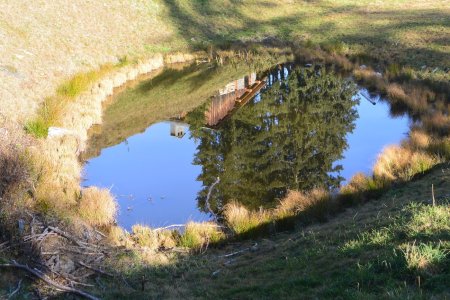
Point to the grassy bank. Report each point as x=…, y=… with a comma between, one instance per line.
x=394, y=247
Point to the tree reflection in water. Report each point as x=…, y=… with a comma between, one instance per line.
x=287, y=137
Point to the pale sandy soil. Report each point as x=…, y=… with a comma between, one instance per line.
x=44, y=42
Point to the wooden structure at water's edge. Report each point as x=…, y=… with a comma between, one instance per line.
x=234, y=95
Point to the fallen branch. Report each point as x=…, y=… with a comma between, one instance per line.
x=47, y=280
x=170, y=226
x=63, y=234
x=95, y=269
x=183, y=225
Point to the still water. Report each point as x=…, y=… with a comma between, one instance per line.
x=254, y=136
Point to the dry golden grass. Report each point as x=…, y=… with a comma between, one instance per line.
x=14, y=168
x=418, y=139
x=56, y=166
x=16, y=175
x=241, y=220
x=296, y=202
x=396, y=92
x=437, y=121
x=97, y=206
x=399, y=163
x=144, y=236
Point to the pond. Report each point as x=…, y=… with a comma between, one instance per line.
x=179, y=146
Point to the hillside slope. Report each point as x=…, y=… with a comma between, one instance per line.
x=44, y=42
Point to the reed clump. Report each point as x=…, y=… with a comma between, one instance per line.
x=97, y=206
x=372, y=79
x=418, y=139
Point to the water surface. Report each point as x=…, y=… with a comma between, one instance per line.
x=251, y=139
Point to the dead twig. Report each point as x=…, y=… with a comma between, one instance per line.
x=16, y=290
x=208, y=206
x=47, y=280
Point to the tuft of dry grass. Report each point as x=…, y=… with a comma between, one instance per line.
x=359, y=188
x=117, y=235
x=199, y=235
x=400, y=163
x=97, y=206
x=16, y=176
x=241, y=220
x=58, y=174
x=153, y=239
x=441, y=148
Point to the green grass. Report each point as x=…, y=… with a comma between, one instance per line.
x=38, y=128
x=82, y=81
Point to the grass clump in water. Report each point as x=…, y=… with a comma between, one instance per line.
x=397, y=163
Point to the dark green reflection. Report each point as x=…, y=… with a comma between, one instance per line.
x=286, y=138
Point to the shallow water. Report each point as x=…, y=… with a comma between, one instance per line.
x=302, y=129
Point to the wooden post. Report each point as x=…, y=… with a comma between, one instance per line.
x=432, y=195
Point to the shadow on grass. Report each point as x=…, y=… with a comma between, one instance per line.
x=387, y=35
